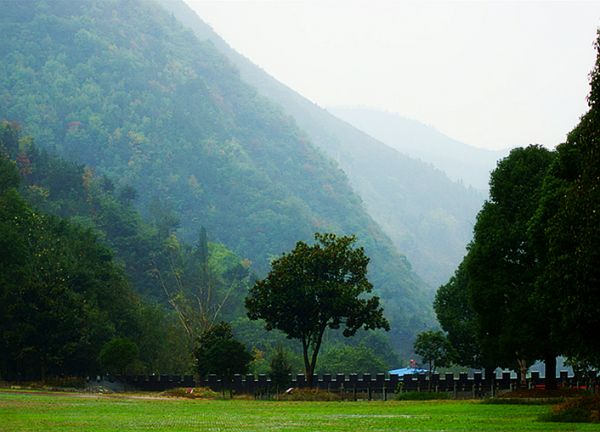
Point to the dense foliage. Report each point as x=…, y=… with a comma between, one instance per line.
x=280, y=369
x=529, y=285
x=62, y=295
x=117, y=354
x=348, y=359
x=566, y=233
x=458, y=319
x=502, y=264
x=435, y=350
x=219, y=353
x=95, y=289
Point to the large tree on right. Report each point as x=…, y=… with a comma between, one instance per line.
x=566, y=233
x=502, y=265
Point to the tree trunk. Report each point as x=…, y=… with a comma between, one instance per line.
x=310, y=364
x=522, y=373
x=307, y=367
x=430, y=373
x=550, y=361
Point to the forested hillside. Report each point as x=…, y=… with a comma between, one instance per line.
x=427, y=216
x=78, y=261
x=123, y=88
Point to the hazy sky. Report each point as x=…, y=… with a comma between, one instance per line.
x=491, y=74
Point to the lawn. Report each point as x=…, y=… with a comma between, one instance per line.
x=75, y=412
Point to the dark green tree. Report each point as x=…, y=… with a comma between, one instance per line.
x=117, y=355
x=435, y=350
x=280, y=368
x=316, y=287
x=219, y=353
x=61, y=294
x=566, y=233
x=458, y=319
x=349, y=359
x=502, y=266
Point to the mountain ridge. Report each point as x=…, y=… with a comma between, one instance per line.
x=461, y=162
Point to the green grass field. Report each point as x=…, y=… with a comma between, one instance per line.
x=30, y=411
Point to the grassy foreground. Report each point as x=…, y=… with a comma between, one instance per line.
x=76, y=412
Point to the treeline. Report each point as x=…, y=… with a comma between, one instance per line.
x=529, y=286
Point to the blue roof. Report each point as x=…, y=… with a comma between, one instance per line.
x=407, y=371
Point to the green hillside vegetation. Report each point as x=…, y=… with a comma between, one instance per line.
x=63, y=296
x=428, y=217
x=123, y=88
x=62, y=221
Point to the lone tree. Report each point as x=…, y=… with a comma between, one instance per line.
x=316, y=287
x=435, y=350
x=220, y=354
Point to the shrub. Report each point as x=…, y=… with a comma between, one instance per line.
x=220, y=354
x=280, y=369
x=117, y=354
x=580, y=409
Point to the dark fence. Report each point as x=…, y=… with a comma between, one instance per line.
x=378, y=385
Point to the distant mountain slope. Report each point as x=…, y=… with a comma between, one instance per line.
x=459, y=161
x=428, y=217
x=123, y=87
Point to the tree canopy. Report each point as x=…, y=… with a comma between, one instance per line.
x=531, y=272
x=501, y=264
x=219, y=353
x=566, y=233
x=458, y=319
x=434, y=349
x=315, y=287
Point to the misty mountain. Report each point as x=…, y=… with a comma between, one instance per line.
x=428, y=216
x=461, y=162
x=124, y=88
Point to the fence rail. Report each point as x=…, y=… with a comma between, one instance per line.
x=357, y=383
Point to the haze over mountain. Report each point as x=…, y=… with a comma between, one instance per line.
x=461, y=162
x=428, y=216
x=125, y=89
